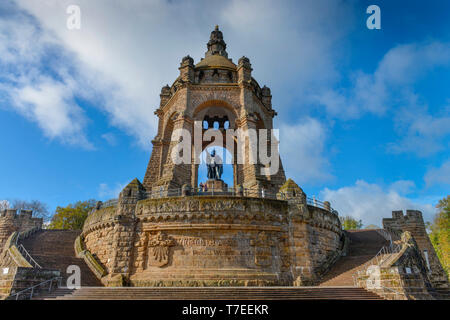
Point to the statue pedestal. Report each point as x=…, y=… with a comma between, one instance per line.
x=216, y=185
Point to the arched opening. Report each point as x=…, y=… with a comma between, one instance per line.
x=218, y=116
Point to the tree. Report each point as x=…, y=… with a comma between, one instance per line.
x=4, y=204
x=73, y=216
x=40, y=209
x=350, y=223
x=440, y=233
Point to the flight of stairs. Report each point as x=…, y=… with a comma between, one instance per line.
x=54, y=249
x=364, y=245
x=209, y=293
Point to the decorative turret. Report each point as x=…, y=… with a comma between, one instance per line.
x=266, y=97
x=187, y=69
x=244, y=69
x=290, y=190
x=216, y=45
x=165, y=95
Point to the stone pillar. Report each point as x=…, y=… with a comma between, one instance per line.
x=154, y=167
x=175, y=175
x=124, y=233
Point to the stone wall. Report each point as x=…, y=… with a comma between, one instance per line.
x=413, y=223
x=15, y=279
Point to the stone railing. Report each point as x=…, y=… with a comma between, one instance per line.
x=397, y=272
x=90, y=260
x=11, y=248
x=235, y=192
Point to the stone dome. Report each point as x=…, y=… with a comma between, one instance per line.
x=216, y=62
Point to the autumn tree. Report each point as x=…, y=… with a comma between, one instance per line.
x=72, y=217
x=350, y=223
x=440, y=233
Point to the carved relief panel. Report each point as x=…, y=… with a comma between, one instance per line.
x=159, y=249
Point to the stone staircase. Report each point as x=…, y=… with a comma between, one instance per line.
x=54, y=249
x=209, y=293
x=364, y=245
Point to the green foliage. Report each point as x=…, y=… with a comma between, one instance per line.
x=440, y=233
x=349, y=223
x=73, y=216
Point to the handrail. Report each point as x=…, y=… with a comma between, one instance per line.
x=378, y=258
x=234, y=192
x=21, y=248
x=17, y=294
x=395, y=291
x=28, y=256
x=385, y=234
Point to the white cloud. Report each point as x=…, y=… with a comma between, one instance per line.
x=372, y=202
x=26, y=85
x=420, y=132
x=110, y=138
x=133, y=48
x=106, y=192
x=403, y=187
x=302, y=151
x=390, y=83
x=50, y=104
x=439, y=176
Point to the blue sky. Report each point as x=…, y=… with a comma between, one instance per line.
x=364, y=115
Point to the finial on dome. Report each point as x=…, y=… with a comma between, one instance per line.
x=216, y=45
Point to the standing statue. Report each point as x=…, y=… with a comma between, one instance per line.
x=214, y=165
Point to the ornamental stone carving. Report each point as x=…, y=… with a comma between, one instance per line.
x=159, y=249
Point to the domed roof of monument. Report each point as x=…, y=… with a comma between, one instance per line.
x=216, y=61
x=216, y=56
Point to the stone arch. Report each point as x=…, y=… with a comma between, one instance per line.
x=216, y=107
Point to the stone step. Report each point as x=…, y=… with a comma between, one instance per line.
x=364, y=245
x=216, y=293
x=54, y=249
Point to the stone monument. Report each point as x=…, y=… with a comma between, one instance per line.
x=258, y=232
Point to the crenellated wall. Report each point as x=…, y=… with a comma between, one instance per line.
x=11, y=221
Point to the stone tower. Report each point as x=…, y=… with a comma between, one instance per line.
x=213, y=90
